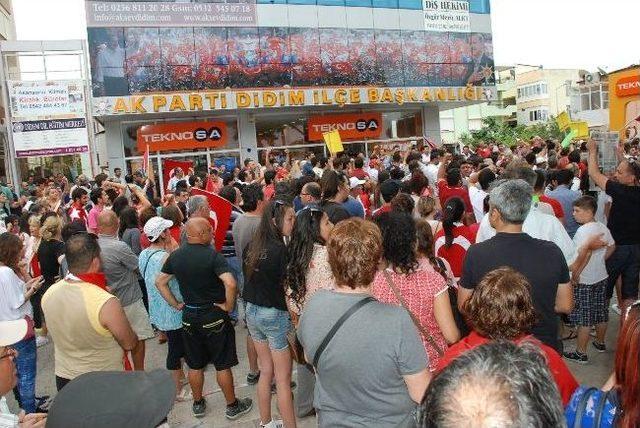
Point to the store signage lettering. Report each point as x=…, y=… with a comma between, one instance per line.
x=231, y=100
x=352, y=126
x=628, y=86
x=182, y=135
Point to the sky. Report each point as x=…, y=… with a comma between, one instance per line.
x=553, y=33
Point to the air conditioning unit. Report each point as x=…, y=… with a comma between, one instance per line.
x=592, y=78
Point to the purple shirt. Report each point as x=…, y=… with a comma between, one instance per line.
x=92, y=222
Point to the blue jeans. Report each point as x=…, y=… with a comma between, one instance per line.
x=25, y=389
x=269, y=325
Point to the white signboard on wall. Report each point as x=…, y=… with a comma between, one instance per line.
x=446, y=15
x=42, y=99
x=48, y=118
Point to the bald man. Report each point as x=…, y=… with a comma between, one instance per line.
x=208, y=290
x=120, y=266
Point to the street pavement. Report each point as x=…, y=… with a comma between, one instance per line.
x=595, y=373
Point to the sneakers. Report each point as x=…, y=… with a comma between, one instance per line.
x=576, y=357
x=41, y=341
x=242, y=407
x=600, y=347
x=252, y=378
x=273, y=424
x=199, y=408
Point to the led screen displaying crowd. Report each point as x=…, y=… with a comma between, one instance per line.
x=138, y=60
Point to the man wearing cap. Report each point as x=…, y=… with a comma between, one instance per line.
x=352, y=204
x=88, y=324
x=163, y=316
x=12, y=332
x=120, y=266
x=208, y=290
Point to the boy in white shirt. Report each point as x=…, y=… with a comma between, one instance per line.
x=589, y=281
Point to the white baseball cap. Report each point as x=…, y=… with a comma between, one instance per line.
x=13, y=331
x=355, y=182
x=155, y=226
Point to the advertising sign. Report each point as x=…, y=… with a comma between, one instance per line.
x=182, y=135
x=628, y=86
x=50, y=137
x=48, y=117
x=178, y=14
x=350, y=126
x=447, y=15
x=46, y=99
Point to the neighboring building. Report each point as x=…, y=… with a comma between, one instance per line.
x=379, y=70
x=624, y=102
x=543, y=93
x=590, y=100
x=7, y=32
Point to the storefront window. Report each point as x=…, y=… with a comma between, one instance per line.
x=402, y=124
x=69, y=165
x=279, y=132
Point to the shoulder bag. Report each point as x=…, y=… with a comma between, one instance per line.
x=425, y=333
x=352, y=310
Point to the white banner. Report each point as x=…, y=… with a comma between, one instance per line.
x=46, y=99
x=446, y=16
x=50, y=137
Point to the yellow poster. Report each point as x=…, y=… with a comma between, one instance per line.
x=563, y=120
x=333, y=141
x=581, y=129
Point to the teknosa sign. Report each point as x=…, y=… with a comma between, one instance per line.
x=352, y=126
x=182, y=135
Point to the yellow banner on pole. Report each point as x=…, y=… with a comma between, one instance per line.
x=563, y=120
x=333, y=141
x=581, y=129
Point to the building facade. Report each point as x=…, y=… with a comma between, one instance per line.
x=624, y=102
x=219, y=83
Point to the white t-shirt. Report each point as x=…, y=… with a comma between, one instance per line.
x=12, y=304
x=540, y=226
x=603, y=200
x=432, y=175
x=477, y=195
x=595, y=270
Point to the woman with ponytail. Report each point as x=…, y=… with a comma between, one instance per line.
x=308, y=271
x=453, y=241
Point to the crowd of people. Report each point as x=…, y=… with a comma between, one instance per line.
x=411, y=287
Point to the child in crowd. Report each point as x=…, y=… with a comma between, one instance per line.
x=590, y=281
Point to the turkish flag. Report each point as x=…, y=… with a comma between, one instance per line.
x=219, y=216
x=168, y=167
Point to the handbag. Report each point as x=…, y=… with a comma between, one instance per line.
x=425, y=333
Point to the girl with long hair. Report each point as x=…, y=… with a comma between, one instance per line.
x=617, y=404
x=269, y=323
x=455, y=238
x=335, y=190
x=308, y=271
x=16, y=289
x=50, y=254
x=129, y=231
x=422, y=292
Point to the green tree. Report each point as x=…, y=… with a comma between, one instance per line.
x=495, y=129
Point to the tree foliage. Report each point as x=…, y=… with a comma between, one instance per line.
x=495, y=129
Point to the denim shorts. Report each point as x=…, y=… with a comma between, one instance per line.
x=269, y=325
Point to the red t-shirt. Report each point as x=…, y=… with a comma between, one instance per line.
x=463, y=237
x=359, y=174
x=269, y=191
x=567, y=384
x=557, y=208
x=383, y=209
x=366, y=203
x=445, y=192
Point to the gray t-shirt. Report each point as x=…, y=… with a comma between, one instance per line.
x=360, y=373
x=120, y=266
x=244, y=227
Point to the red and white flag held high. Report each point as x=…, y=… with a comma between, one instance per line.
x=145, y=161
